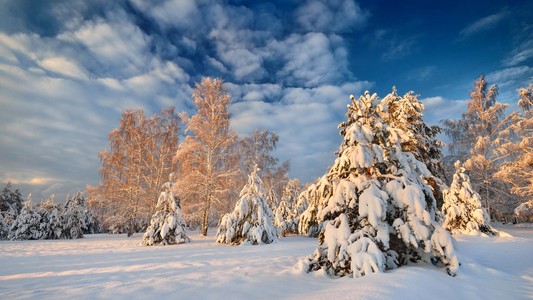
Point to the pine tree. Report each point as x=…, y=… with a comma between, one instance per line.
x=286, y=215
x=167, y=226
x=406, y=113
x=251, y=221
x=71, y=217
x=463, y=213
x=51, y=221
x=316, y=197
x=27, y=225
x=381, y=213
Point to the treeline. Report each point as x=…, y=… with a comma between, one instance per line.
x=24, y=220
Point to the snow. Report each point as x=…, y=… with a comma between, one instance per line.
x=114, y=266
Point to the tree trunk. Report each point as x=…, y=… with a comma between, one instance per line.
x=205, y=216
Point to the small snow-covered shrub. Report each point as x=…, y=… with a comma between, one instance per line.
x=252, y=219
x=287, y=213
x=167, y=225
x=524, y=211
x=463, y=213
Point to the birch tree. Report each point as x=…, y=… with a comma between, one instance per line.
x=133, y=169
x=475, y=140
x=205, y=159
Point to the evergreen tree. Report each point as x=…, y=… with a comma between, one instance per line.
x=316, y=197
x=72, y=218
x=286, y=216
x=406, y=113
x=167, y=225
x=252, y=220
x=51, y=219
x=463, y=213
x=381, y=213
x=27, y=225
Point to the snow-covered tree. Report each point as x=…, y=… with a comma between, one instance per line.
x=205, y=163
x=286, y=215
x=475, y=140
x=72, y=218
x=167, y=226
x=133, y=170
x=406, y=112
x=27, y=226
x=51, y=219
x=381, y=212
x=463, y=213
x=251, y=221
x=10, y=200
x=316, y=197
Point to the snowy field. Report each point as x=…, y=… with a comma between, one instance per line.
x=114, y=266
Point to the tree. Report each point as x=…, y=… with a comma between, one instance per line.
x=10, y=200
x=406, y=113
x=27, y=225
x=517, y=147
x=463, y=213
x=381, y=213
x=257, y=150
x=51, y=219
x=167, y=226
x=139, y=160
x=252, y=219
x=72, y=217
x=316, y=196
x=475, y=140
x=205, y=163
x=286, y=215
x=10, y=206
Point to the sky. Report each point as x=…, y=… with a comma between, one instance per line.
x=68, y=68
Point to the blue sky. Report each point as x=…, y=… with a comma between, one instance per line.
x=68, y=69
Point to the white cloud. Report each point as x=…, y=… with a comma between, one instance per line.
x=63, y=66
x=330, y=16
x=483, y=24
x=510, y=75
x=439, y=109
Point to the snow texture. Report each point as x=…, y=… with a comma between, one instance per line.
x=463, y=213
x=111, y=266
x=379, y=212
x=167, y=226
x=252, y=220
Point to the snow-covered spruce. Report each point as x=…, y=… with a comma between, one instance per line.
x=251, y=222
x=314, y=196
x=381, y=213
x=167, y=225
x=27, y=225
x=463, y=213
x=286, y=216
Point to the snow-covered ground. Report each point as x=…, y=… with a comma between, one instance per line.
x=114, y=266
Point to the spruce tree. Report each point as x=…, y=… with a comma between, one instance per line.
x=381, y=212
x=252, y=219
x=167, y=225
x=286, y=216
x=463, y=213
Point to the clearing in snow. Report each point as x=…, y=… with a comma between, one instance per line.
x=114, y=266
